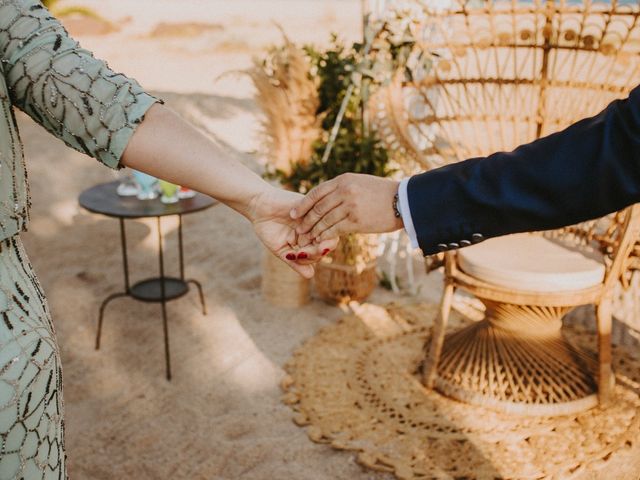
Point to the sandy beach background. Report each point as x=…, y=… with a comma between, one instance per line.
x=221, y=417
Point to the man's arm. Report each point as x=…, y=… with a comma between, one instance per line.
x=588, y=170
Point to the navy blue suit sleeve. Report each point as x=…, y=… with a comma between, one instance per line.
x=585, y=171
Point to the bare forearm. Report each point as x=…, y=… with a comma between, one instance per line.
x=167, y=147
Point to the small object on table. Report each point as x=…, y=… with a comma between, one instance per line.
x=169, y=192
x=103, y=199
x=147, y=185
x=128, y=186
x=185, y=193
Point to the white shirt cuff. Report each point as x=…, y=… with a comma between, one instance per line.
x=405, y=211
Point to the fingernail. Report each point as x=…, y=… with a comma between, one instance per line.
x=325, y=251
x=291, y=256
x=302, y=256
x=293, y=213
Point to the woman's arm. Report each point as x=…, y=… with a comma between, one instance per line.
x=166, y=146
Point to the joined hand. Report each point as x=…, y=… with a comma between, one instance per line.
x=269, y=214
x=350, y=203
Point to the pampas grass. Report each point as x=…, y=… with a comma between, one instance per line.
x=288, y=95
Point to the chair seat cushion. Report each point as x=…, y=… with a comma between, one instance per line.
x=532, y=263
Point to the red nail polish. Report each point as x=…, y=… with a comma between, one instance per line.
x=291, y=256
x=325, y=251
x=302, y=256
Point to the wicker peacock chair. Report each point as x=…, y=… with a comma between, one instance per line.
x=504, y=74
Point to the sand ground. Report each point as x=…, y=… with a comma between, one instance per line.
x=221, y=417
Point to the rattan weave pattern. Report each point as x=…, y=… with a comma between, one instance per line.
x=504, y=73
x=354, y=386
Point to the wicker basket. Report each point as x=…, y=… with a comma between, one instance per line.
x=281, y=286
x=349, y=272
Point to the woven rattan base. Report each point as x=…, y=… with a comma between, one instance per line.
x=517, y=360
x=354, y=386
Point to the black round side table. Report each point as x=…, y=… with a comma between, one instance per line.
x=104, y=200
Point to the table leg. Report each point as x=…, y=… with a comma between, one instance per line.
x=125, y=261
x=163, y=300
x=166, y=340
x=101, y=316
x=181, y=253
x=125, y=266
x=202, y=302
x=180, y=249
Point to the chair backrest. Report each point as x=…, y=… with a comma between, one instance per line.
x=506, y=73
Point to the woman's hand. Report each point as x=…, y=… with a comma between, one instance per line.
x=269, y=214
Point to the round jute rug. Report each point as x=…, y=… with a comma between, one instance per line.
x=353, y=386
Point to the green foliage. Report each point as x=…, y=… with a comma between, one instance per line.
x=334, y=69
x=356, y=148
x=351, y=153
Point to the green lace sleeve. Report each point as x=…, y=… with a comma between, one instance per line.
x=75, y=96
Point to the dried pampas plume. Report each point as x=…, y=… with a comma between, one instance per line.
x=288, y=96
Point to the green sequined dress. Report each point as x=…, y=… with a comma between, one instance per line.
x=77, y=98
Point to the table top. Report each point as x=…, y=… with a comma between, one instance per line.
x=103, y=199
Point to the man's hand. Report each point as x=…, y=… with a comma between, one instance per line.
x=350, y=203
x=269, y=214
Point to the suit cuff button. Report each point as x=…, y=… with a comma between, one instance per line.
x=443, y=247
x=453, y=245
x=477, y=238
x=465, y=243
